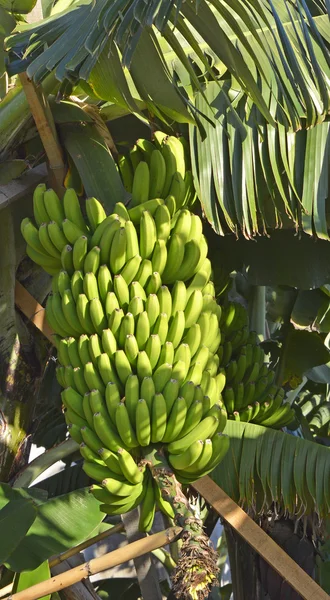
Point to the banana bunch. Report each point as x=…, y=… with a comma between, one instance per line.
x=158, y=170
x=250, y=393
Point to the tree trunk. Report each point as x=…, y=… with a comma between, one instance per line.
x=21, y=362
x=252, y=577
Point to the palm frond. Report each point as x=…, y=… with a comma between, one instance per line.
x=264, y=467
x=251, y=176
x=276, y=51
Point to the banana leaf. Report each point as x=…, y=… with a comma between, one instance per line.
x=277, y=52
x=264, y=467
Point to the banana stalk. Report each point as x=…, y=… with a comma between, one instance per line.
x=196, y=570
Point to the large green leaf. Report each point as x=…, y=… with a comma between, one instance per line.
x=28, y=578
x=94, y=163
x=277, y=53
x=16, y=519
x=264, y=466
x=61, y=523
x=251, y=176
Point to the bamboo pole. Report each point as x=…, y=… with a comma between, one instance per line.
x=46, y=128
x=262, y=543
x=96, y=565
x=97, y=538
x=32, y=310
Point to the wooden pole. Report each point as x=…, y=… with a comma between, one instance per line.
x=46, y=128
x=262, y=543
x=32, y=310
x=96, y=565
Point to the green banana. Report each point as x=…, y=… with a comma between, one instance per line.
x=140, y=187
x=163, y=222
x=202, y=431
x=118, y=251
x=148, y=390
x=157, y=174
x=39, y=210
x=53, y=207
x=132, y=395
x=131, y=269
x=72, y=209
x=158, y=418
x=92, y=378
x=142, y=423
x=153, y=348
x=92, y=260
x=129, y=467
x=104, y=282
x=95, y=213
x=112, y=399
x=176, y=419
x=132, y=240
x=124, y=427
x=107, y=239
x=121, y=290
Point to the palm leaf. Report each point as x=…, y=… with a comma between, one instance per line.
x=252, y=176
x=275, y=50
x=264, y=466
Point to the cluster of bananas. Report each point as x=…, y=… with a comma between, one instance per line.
x=158, y=170
x=250, y=393
x=137, y=332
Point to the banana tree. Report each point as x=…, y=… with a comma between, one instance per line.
x=252, y=82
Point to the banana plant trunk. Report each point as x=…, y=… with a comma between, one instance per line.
x=20, y=362
x=252, y=577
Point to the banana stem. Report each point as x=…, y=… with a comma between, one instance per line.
x=196, y=570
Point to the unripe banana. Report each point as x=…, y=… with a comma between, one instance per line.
x=131, y=269
x=104, y=282
x=95, y=212
x=170, y=202
x=144, y=272
x=107, y=432
x=142, y=423
x=175, y=254
x=112, y=399
x=183, y=224
x=67, y=259
x=154, y=283
x=148, y=390
x=97, y=403
x=106, y=371
x=132, y=240
x=163, y=222
x=202, y=431
x=176, y=329
x=148, y=235
x=106, y=240
x=165, y=300
x=83, y=313
x=136, y=289
x=115, y=320
x=129, y=467
x=170, y=393
x=39, y=210
x=71, y=399
x=176, y=419
x=161, y=327
x=79, y=381
x=95, y=471
x=92, y=260
x=83, y=349
x=194, y=416
x=72, y=209
x=158, y=418
x=57, y=305
x=153, y=348
x=126, y=171
x=179, y=297
x=118, y=251
x=136, y=306
x=147, y=507
x=124, y=427
x=47, y=245
x=121, y=290
x=192, y=255
x=94, y=347
x=157, y=174
x=193, y=338
x=127, y=328
x=151, y=205
x=152, y=308
x=52, y=320
x=68, y=378
x=97, y=315
x=63, y=352
x=70, y=312
x=73, y=354
x=143, y=365
x=140, y=187
x=188, y=457
x=74, y=432
x=159, y=256
x=180, y=370
x=111, y=304
x=53, y=206
x=71, y=231
x=56, y=235
x=93, y=379
x=131, y=348
x=167, y=354
x=178, y=189
x=203, y=460
x=91, y=439
x=63, y=282
x=121, y=210
x=132, y=395
x=142, y=331
x=80, y=248
x=171, y=167
x=162, y=375
x=194, y=308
